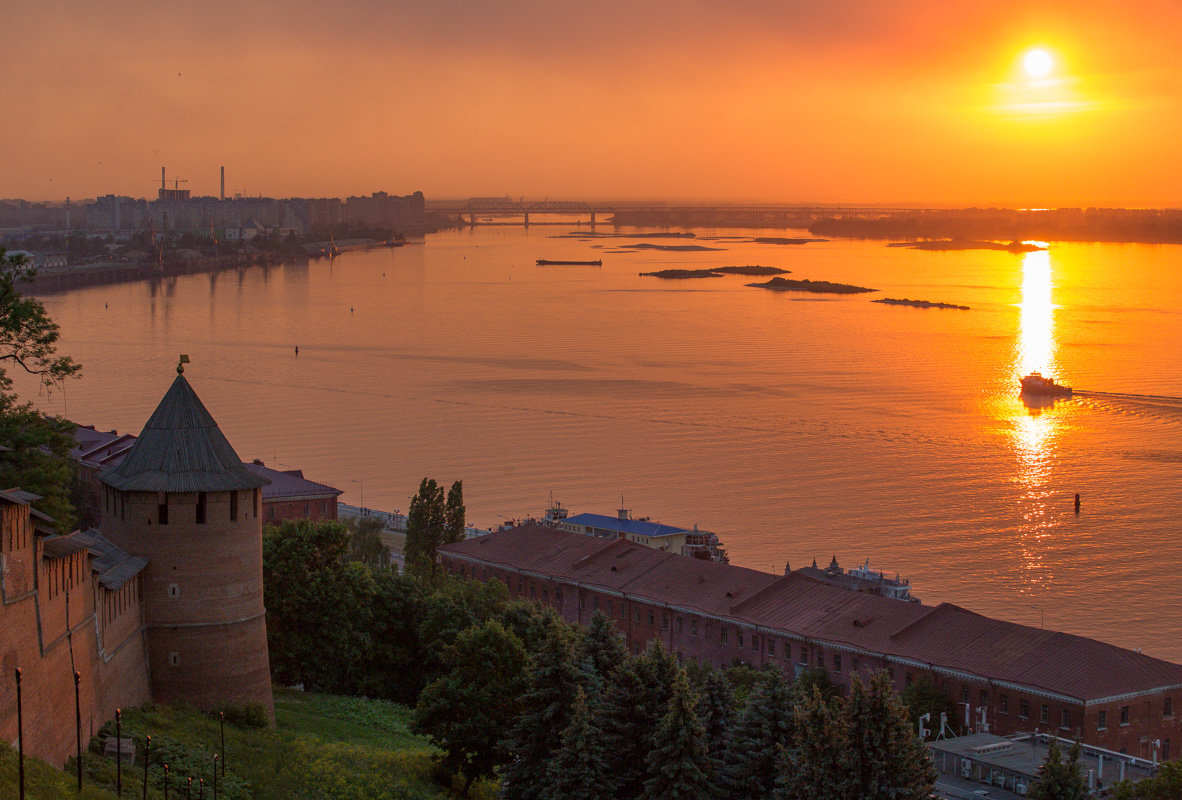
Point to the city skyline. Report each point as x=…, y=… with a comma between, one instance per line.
x=763, y=102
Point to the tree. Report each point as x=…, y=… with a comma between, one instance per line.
x=365, y=542
x=579, y=770
x=601, y=648
x=812, y=768
x=1166, y=785
x=551, y=685
x=424, y=526
x=924, y=697
x=466, y=711
x=765, y=726
x=319, y=606
x=884, y=757
x=453, y=514
x=715, y=709
x=677, y=761
x=634, y=702
x=36, y=454
x=1058, y=779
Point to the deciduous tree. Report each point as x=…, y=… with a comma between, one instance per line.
x=424, y=526
x=454, y=521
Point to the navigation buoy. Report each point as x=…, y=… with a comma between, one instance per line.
x=297, y=349
x=1077, y=502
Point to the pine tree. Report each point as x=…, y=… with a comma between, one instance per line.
x=635, y=700
x=678, y=754
x=812, y=768
x=884, y=757
x=579, y=770
x=454, y=521
x=552, y=683
x=424, y=526
x=765, y=726
x=1058, y=779
x=715, y=710
x=602, y=647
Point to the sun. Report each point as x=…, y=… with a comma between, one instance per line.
x=1037, y=63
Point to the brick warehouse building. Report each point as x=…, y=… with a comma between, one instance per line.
x=163, y=602
x=1003, y=677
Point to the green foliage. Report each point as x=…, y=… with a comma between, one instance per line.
x=466, y=711
x=884, y=757
x=716, y=708
x=551, y=685
x=812, y=767
x=252, y=715
x=601, y=648
x=580, y=768
x=765, y=726
x=678, y=758
x=43, y=782
x=817, y=678
x=365, y=542
x=1166, y=785
x=425, y=522
x=1059, y=779
x=37, y=454
x=924, y=697
x=454, y=521
x=319, y=606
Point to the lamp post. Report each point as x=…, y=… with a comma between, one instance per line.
x=222, y=729
x=20, y=737
x=165, y=782
x=118, y=752
x=362, y=485
x=147, y=758
x=215, y=776
x=78, y=728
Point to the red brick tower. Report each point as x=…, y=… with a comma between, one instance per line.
x=182, y=499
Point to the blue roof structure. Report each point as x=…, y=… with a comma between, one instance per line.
x=636, y=527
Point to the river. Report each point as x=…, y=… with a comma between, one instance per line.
x=796, y=426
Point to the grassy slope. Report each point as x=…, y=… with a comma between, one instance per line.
x=323, y=748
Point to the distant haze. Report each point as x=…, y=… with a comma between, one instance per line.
x=918, y=101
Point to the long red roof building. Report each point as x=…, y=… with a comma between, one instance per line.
x=1003, y=677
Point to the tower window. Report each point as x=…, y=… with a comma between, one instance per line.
x=162, y=512
x=233, y=506
x=174, y=659
x=174, y=590
x=201, y=508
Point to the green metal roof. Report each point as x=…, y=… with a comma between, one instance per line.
x=181, y=449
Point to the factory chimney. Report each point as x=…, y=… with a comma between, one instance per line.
x=223, y=193
x=163, y=186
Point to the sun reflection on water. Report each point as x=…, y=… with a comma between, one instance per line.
x=1034, y=433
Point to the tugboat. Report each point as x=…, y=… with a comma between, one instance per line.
x=1036, y=384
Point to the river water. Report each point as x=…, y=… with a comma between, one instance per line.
x=796, y=426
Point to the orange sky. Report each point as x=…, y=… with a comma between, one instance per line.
x=917, y=101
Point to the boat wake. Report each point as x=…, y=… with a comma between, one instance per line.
x=1153, y=399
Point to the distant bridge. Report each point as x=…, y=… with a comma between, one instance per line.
x=507, y=207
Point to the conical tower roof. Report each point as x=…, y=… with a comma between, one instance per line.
x=181, y=449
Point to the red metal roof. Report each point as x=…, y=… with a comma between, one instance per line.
x=945, y=636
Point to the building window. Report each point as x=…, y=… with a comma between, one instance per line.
x=984, y=698
x=174, y=590
x=637, y=613
x=723, y=636
x=664, y=622
x=233, y=506
x=679, y=624
x=1102, y=720
x=162, y=511
x=1044, y=715
x=1065, y=723
x=174, y=659
x=1165, y=749
x=1167, y=709
x=820, y=659
x=1024, y=709
x=891, y=674
x=694, y=626
x=853, y=665
x=804, y=655
x=651, y=621
x=201, y=508
x=837, y=662
x=582, y=600
x=739, y=638
x=307, y=508
x=755, y=642
x=1003, y=703
x=909, y=678
x=270, y=512
x=558, y=596
x=771, y=646
x=595, y=603
x=964, y=694
x=1124, y=715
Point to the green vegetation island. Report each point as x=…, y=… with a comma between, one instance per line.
x=786, y=240
x=815, y=287
x=669, y=247
x=714, y=272
x=894, y=301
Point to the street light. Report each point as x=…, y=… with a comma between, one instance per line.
x=362, y=485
